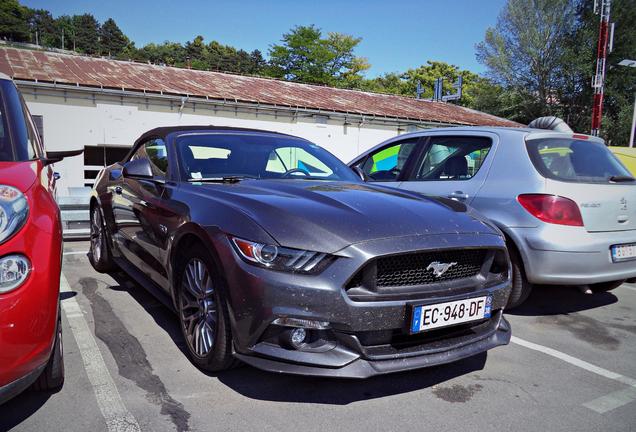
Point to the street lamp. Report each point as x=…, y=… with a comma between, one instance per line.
x=631, y=63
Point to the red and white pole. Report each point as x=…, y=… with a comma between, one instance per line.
x=599, y=78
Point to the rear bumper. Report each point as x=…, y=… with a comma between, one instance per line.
x=563, y=255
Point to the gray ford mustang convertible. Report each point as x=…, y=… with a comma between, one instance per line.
x=274, y=252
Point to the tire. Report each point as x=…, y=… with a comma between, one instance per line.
x=100, y=255
x=203, y=311
x=52, y=378
x=521, y=288
x=605, y=286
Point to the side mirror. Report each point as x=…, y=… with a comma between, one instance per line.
x=138, y=168
x=56, y=156
x=360, y=173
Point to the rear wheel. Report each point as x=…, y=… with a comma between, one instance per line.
x=605, y=286
x=52, y=377
x=100, y=255
x=203, y=311
x=521, y=288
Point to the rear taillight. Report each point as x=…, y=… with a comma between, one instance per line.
x=552, y=209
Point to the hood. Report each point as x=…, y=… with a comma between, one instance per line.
x=328, y=216
x=20, y=175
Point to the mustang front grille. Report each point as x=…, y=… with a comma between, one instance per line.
x=421, y=268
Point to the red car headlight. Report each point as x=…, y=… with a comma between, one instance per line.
x=14, y=210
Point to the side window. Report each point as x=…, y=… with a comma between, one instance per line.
x=387, y=163
x=155, y=151
x=452, y=158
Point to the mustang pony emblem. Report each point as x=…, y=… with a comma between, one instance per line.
x=439, y=268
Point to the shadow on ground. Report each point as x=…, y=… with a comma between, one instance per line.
x=21, y=407
x=257, y=384
x=559, y=300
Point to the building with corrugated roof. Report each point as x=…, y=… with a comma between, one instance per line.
x=103, y=105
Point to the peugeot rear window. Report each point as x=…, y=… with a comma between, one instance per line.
x=576, y=160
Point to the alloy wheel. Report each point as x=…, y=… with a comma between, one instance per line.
x=97, y=235
x=198, y=307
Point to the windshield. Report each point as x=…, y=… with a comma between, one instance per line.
x=575, y=160
x=6, y=148
x=220, y=155
x=21, y=145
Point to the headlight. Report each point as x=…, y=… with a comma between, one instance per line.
x=14, y=269
x=281, y=258
x=14, y=210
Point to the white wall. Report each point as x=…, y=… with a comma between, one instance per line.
x=76, y=122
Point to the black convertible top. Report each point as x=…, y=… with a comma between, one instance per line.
x=164, y=131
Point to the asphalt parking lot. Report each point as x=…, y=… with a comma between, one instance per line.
x=571, y=366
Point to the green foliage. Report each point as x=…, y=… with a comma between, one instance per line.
x=543, y=56
x=112, y=39
x=526, y=50
x=85, y=36
x=306, y=56
x=13, y=21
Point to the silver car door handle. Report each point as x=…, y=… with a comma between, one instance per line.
x=458, y=195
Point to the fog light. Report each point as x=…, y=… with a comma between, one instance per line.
x=14, y=269
x=297, y=337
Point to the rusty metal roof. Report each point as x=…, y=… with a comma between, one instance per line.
x=43, y=66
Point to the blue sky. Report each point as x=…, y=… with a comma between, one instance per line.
x=396, y=35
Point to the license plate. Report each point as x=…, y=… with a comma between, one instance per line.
x=427, y=317
x=624, y=252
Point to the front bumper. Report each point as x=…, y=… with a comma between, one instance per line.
x=28, y=314
x=448, y=351
x=365, y=338
x=563, y=255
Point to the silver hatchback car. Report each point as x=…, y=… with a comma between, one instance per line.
x=566, y=205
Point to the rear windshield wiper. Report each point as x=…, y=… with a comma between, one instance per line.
x=224, y=179
x=621, y=178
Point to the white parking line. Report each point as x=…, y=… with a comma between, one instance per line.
x=117, y=417
x=75, y=253
x=603, y=403
x=629, y=287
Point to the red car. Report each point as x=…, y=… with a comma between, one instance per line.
x=30, y=254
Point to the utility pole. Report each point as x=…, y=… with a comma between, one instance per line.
x=631, y=63
x=605, y=37
x=62, y=37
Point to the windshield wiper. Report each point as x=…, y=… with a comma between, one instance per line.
x=224, y=179
x=621, y=178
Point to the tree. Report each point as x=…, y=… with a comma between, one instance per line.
x=526, y=49
x=305, y=56
x=13, y=21
x=85, y=37
x=112, y=39
x=41, y=27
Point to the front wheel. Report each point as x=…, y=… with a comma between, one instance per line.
x=52, y=377
x=605, y=286
x=100, y=255
x=203, y=311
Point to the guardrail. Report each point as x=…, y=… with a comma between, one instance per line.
x=75, y=213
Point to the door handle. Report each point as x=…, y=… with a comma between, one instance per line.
x=118, y=190
x=458, y=195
